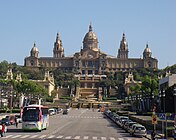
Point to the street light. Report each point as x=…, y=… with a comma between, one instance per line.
x=175, y=111
x=1, y=92
x=152, y=101
x=164, y=109
x=175, y=101
x=160, y=100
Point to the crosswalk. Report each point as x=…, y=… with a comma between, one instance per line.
x=83, y=117
x=20, y=136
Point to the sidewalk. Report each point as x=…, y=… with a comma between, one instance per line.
x=2, y=115
x=146, y=120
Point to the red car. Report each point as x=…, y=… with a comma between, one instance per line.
x=11, y=119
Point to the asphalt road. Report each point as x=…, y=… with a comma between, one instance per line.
x=80, y=124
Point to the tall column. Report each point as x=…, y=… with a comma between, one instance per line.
x=85, y=85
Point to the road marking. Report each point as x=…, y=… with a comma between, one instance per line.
x=34, y=136
x=60, y=137
x=94, y=138
x=120, y=139
x=15, y=136
x=111, y=138
x=42, y=136
x=103, y=138
x=25, y=136
x=58, y=129
x=68, y=137
x=52, y=136
x=81, y=113
x=9, y=136
x=86, y=137
x=77, y=137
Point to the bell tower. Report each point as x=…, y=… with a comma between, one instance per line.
x=123, y=51
x=58, y=50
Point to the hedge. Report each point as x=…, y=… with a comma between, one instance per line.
x=8, y=111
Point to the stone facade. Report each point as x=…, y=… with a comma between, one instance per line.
x=90, y=64
x=90, y=59
x=167, y=81
x=130, y=82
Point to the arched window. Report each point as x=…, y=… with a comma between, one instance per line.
x=32, y=62
x=149, y=64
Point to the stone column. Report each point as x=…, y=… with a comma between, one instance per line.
x=77, y=92
x=85, y=85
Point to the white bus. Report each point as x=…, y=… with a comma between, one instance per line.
x=35, y=117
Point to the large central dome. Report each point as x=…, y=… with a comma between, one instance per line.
x=90, y=40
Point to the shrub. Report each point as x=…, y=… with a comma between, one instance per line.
x=109, y=98
x=66, y=97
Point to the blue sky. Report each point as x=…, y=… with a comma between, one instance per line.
x=24, y=22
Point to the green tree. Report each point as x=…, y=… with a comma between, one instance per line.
x=3, y=69
x=30, y=88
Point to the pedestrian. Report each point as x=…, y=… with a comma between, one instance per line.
x=153, y=134
x=16, y=122
x=3, y=130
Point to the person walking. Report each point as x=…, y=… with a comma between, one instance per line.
x=153, y=134
x=3, y=130
x=16, y=122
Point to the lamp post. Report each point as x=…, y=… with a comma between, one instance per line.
x=164, y=105
x=160, y=100
x=160, y=105
x=164, y=109
x=11, y=98
x=175, y=112
x=175, y=101
x=152, y=102
x=1, y=97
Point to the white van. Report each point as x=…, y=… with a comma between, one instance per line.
x=52, y=111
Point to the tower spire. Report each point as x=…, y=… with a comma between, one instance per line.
x=34, y=44
x=123, y=37
x=57, y=38
x=123, y=51
x=90, y=27
x=58, y=50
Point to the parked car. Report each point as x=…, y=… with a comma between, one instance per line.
x=125, y=122
x=114, y=116
x=65, y=112
x=121, y=119
x=11, y=118
x=131, y=126
x=52, y=111
x=110, y=114
x=128, y=124
x=138, y=130
x=5, y=121
x=106, y=112
x=59, y=110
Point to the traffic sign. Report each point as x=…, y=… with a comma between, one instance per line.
x=154, y=119
x=162, y=116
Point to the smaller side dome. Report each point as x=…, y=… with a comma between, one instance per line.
x=147, y=52
x=34, y=49
x=147, y=49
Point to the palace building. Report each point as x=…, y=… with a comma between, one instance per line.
x=90, y=64
x=90, y=59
